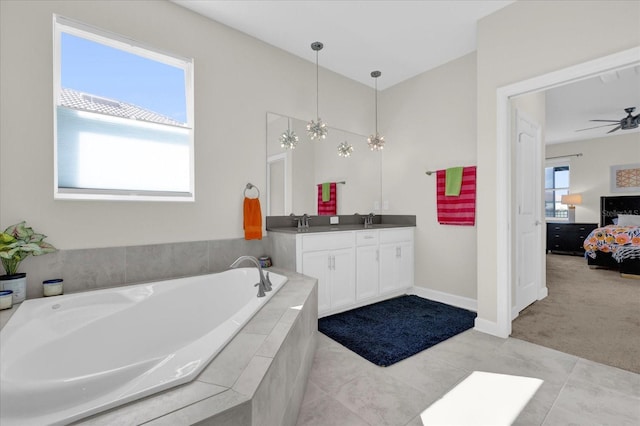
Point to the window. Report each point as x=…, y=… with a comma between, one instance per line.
x=123, y=118
x=556, y=184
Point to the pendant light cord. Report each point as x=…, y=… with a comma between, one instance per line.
x=317, y=90
x=376, y=106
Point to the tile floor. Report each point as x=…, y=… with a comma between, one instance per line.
x=347, y=390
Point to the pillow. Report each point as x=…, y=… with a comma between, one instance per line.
x=628, y=220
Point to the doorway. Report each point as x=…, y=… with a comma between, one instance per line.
x=507, y=267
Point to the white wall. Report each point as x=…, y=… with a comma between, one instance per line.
x=429, y=124
x=237, y=80
x=442, y=118
x=521, y=41
x=590, y=174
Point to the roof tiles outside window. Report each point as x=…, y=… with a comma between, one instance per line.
x=74, y=99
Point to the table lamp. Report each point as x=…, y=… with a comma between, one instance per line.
x=571, y=200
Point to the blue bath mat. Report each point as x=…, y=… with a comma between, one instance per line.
x=392, y=330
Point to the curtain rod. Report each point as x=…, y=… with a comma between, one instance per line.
x=565, y=156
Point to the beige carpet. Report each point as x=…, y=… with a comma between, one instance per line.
x=591, y=313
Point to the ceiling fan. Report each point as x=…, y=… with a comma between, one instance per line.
x=628, y=122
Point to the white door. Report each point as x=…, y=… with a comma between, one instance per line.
x=528, y=219
x=366, y=272
x=317, y=264
x=343, y=278
x=388, y=267
x=405, y=265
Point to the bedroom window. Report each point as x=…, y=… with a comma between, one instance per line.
x=123, y=116
x=556, y=184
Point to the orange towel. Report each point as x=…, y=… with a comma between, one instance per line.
x=252, y=219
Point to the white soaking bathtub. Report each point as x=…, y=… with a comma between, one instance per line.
x=66, y=357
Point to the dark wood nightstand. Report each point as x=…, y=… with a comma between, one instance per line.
x=568, y=237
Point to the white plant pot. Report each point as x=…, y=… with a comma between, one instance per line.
x=16, y=283
x=52, y=287
x=6, y=299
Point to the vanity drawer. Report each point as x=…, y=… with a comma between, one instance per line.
x=328, y=241
x=366, y=238
x=396, y=235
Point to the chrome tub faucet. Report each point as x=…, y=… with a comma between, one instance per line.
x=265, y=282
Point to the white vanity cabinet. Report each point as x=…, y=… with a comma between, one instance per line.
x=396, y=259
x=367, y=265
x=355, y=268
x=330, y=258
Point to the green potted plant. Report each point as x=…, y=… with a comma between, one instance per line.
x=18, y=242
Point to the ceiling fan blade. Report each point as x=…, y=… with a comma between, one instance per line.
x=597, y=127
x=610, y=121
x=613, y=130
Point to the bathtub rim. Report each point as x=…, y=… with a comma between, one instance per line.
x=224, y=399
x=185, y=381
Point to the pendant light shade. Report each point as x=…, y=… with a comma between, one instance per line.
x=345, y=149
x=317, y=129
x=288, y=138
x=375, y=141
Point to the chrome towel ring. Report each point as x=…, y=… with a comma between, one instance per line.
x=249, y=187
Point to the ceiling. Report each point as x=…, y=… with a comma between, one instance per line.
x=400, y=38
x=405, y=38
x=570, y=107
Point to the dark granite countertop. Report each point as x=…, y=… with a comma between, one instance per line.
x=336, y=228
x=352, y=222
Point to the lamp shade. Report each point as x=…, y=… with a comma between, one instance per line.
x=571, y=199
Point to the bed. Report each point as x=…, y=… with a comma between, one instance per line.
x=613, y=246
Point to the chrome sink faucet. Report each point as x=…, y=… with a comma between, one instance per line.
x=303, y=222
x=265, y=282
x=368, y=220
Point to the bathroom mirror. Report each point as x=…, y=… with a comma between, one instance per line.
x=293, y=175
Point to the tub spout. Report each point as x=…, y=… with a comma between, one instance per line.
x=265, y=282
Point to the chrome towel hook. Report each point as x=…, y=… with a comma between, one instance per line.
x=249, y=187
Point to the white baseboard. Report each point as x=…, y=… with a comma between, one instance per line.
x=489, y=327
x=543, y=292
x=514, y=313
x=442, y=297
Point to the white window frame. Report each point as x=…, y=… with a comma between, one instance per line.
x=65, y=25
x=558, y=162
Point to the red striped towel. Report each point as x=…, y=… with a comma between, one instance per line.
x=461, y=209
x=330, y=207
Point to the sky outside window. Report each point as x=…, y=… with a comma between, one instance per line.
x=107, y=72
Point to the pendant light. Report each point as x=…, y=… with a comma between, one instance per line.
x=345, y=149
x=317, y=130
x=288, y=138
x=375, y=141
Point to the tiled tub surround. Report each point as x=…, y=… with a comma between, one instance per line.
x=171, y=330
x=257, y=379
x=91, y=269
